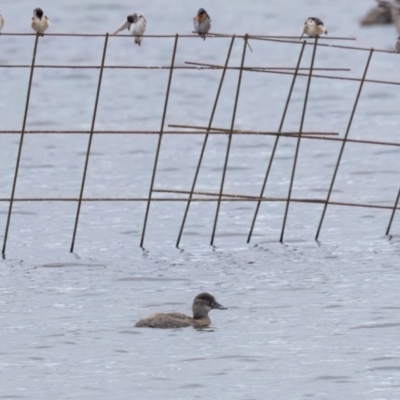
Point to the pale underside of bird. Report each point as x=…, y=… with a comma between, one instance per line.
x=396, y=48
x=136, y=25
x=202, y=23
x=313, y=27
x=1, y=23
x=39, y=21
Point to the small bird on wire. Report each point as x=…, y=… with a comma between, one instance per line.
x=202, y=23
x=39, y=21
x=1, y=23
x=136, y=25
x=313, y=27
x=396, y=48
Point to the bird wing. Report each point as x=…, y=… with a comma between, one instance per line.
x=178, y=315
x=165, y=321
x=125, y=25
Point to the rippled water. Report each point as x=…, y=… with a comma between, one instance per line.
x=304, y=320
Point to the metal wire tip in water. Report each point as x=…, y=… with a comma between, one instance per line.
x=39, y=21
x=202, y=23
x=313, y=27
x=136, y=25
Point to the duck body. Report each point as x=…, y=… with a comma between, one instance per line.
x=136, y=25
x=313, y=27
x=202, y=304
x=202, y=23
x=39, y=21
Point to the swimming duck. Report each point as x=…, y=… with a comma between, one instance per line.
x=1, y=23
x=202, y=23
x=313, y=27
x=202, y=304
x=136, y=25
x=39, y=21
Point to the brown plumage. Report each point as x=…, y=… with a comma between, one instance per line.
x=202, y=304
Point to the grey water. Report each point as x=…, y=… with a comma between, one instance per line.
x=305, y=320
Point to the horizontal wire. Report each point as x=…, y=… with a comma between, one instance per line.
x=193, y=35
x=342, y=78
x=196, y=132
x=311, y=43
x=161, y=67
x=240, y=198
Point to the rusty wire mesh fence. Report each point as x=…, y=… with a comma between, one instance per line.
x=191, y=194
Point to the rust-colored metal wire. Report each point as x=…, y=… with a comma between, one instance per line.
x=89, y=144
x=276, y=142
x=159, y=141
x=344, y=143
x=203, y=148
x=229, y=141
x=21, y=141
x=192, y=195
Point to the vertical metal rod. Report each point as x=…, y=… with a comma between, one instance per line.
x=344, y=143
x=89, y=144
x=229, y=140
x=21, y=141
x=276, y=142
x=159, y=141
x=393, y=212
x=205, y=142
x=299, y=140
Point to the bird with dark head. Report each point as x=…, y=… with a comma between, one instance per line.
x=39, y=21
x=136, y=25
x=202, y=23
x=313, y=27
x=203, y=303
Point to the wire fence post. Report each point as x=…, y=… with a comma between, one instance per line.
x=89, y=144
x=229, y=140
x=344, y=143
x=303, y=115
x=205, y=142
x=21, y=141
x=276, y=142
x=159, y=141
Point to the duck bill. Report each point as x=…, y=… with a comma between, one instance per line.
x=219, y=306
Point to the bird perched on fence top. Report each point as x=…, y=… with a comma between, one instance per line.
x=313, y=27
x=396, y=47
x=202, y=23
x=136, y=25
x=1, y=23
x=39, y=21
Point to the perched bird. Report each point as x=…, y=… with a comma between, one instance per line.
x=202, y=304
x=313, y=27
x=39, y=21
x=1, y=23
x=396, y=48
x=202, y=23
x=136, y=25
